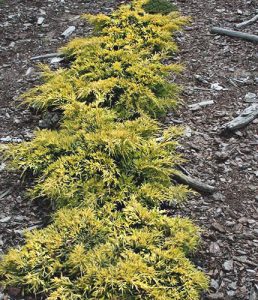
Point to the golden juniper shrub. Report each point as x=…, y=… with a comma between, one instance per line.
x=92, y=158
x=108, y=168
x=121, y=67
x=135, y=253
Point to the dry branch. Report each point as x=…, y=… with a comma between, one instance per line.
x=246, y=116
x=248, y=22
x=194, y=183
x=238, y=34
x=46, y=56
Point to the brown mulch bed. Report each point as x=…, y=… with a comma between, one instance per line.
x=229, y=217
x=229, y=252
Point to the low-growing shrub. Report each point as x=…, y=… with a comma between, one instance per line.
x=135, y=253
x=93, y=158
x=108, y=168
x=120, y=68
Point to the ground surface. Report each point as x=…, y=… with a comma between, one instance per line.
x=229, y=218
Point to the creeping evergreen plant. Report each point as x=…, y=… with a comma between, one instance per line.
x=120, y=68
x=108, y=168
x=136, y=253
x=92, y=158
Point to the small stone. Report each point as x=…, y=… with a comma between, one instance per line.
x=216, y=87
x=243, y=220
x=188, y=131
x=42, y=12
x=26, y=25
x=241, y=259
x=252, y=187
x=40, y=20
x=251, y=271
x=214, y=284
x=2, y=166
x=232, y=286
x=200, y=78
x=218, y=196
x=243, y=289
x=230, y=223
x=256, y=231
x=231, y=293
x=56, y=60
x=68, y=31
x=251, y=221
x=5, y=220
x=253, y=294
x=19, y=218
x=221, y=156
x=251, y=98
x=216, y=296
x=12, y=44
x=228, y=265
x=214, y=248
x=218, y=227
x=238, y=228
x=29, y=71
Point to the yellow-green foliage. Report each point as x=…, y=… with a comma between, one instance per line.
x=121, y=67
x=135, y=253
x=92, y=158
x=108, y=168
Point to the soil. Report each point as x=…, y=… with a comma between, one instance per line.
x=229, y=217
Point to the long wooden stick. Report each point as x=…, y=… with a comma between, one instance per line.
x=248, y=22
x=238, y=34
x=194, y=183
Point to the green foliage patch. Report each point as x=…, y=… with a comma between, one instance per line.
x=107, y=169
x=159, y=6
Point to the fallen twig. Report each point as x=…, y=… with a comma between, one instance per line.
x=248, y=22
x=194, y=183
x=199, y=105
x=246, y=116
x=238, y=34
x=45, y=56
